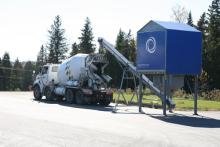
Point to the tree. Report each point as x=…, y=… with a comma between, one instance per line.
x=17, y=75
x=57, y=45
x=41, y=58
x=75, y=49
x=179, y=13
x=126, y=45
x=133, y=50
x=6, y=72
x=120, y=42
x=202, y=25
x=213, y=46
x=189, y=79
x=86, y=40
x=27, y=75
x=190, y=19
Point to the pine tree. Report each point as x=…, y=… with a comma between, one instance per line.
x=17, y=75
x=57, y=45
x=75, y=49
x=190, y=20
x=27, y=76
x=41, y=58
x=132, y=50
x=122, y=43
x=202, y=26
x=86, y=40
x=213, y=47
x=189, y=79
x=125, y=44
x=6, y=64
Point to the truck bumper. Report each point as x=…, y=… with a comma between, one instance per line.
x=101, y=95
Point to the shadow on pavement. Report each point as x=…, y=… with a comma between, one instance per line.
x=63, y=103
x=192, y=121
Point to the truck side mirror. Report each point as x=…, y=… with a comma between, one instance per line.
x=40, y=68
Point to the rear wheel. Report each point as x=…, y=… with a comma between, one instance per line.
x=105, y=102
x=69, y=95
x=79, y=97
x=37, y=93
x=49, y=94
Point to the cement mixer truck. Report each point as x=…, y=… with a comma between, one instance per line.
x=79, y=79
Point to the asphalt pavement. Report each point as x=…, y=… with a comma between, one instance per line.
x=25, y=122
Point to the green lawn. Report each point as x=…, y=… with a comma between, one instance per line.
x=181, y=104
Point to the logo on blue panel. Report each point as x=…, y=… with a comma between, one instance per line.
x=151, y=45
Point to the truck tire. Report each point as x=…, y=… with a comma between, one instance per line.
x=105, y=102
x=69, y=95
x=49, y=94
x=79, y=97
x=37, y=93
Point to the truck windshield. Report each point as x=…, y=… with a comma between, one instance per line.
x=54, y=68
x=44, y=70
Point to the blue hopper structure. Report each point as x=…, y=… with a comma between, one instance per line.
x=169, y=48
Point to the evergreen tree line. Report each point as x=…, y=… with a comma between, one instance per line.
x=15, y=76
x=209, y=25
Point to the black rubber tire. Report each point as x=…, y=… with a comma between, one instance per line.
x=69, y=95
x=105, y=102
x=49, y=94
x=37, y=93
x=79, y=97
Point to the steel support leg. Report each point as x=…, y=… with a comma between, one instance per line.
x=165, y=96
x=140, y=93
x=195, y=95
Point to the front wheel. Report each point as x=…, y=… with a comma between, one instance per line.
x=37, y=93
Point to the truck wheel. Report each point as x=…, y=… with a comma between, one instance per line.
x=69, y=96
x=105, y=102
x=37, y=93
x=49, y=94
x=79, y=97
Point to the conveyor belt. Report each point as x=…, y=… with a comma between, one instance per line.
x=125, y=62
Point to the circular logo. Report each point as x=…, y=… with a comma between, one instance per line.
x=151, y=45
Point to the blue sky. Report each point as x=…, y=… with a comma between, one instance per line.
x=24, y=23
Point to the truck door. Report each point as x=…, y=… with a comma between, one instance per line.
x=44, y=73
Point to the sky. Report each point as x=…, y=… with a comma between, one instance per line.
x=24, y=24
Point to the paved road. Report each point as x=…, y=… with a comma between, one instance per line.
x=25, y=122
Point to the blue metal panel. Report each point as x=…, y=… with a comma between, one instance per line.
x=169, y=47
x=183, y=52
x=151, y=27
x=176, y=26
x=151, y=51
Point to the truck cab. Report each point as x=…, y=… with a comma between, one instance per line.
x=47, y=74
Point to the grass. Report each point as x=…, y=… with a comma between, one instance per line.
x=181, y=104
